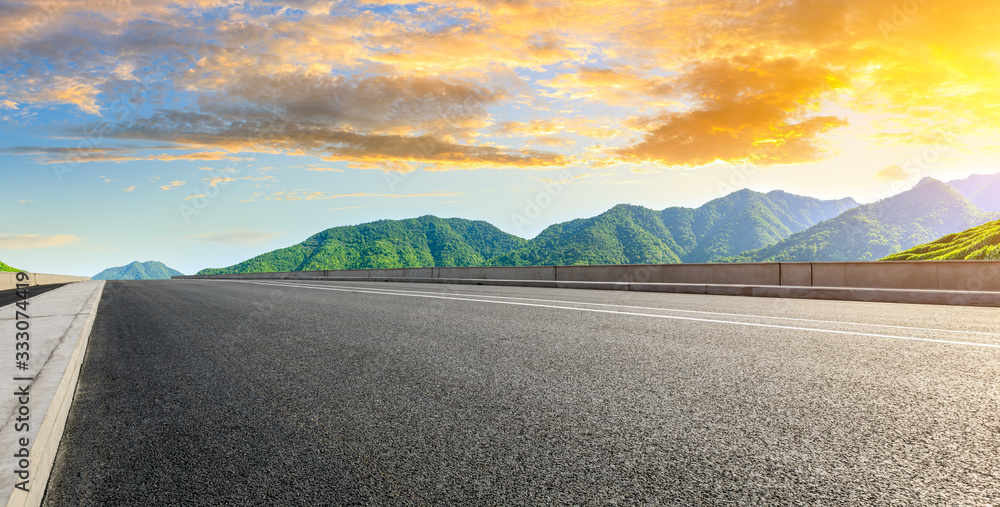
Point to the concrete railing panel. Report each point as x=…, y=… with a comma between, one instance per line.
x=498, y=273
x=746, y=274
x=829, y=274
x=797, y=274
x=968, y=275
x=892, y=276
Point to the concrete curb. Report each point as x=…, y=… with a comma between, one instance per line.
x=54, y=422
x=931, y=297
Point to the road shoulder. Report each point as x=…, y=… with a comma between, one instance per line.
x=60, y=323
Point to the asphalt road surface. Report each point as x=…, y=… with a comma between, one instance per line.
x=8, y=297
x=318, y=393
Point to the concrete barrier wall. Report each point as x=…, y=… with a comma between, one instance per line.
x=9, y=280
x=492, y=273
x=921, y=275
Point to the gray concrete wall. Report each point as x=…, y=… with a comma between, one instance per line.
x=797, y=274
x=493, y=273
x=9, y=280
x=912, y=275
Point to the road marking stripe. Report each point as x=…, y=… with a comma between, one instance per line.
x=911, y=328
x=635, y=314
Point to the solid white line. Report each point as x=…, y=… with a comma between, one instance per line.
x=634, y=314
x=909, y=328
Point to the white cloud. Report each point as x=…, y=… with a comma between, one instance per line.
x=237, y=237
x=32, y=241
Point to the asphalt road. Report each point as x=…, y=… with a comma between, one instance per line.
x=282, y=393
x=8, y=297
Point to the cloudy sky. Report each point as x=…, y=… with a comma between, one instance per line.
x=201, y=132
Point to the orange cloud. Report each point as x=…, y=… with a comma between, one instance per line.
x=891, y=173
x=553, y=141
x=301, y=195
x=84, y=154
x=746, y=108
x=617, y=85
x=312, y=167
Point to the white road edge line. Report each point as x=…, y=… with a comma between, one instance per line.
x=911, y=328
x=635, y=314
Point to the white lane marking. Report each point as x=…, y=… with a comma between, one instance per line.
x=909, y=328
x=634, y=314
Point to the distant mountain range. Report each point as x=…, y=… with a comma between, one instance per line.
x=414, y=242
x=627, y=234
x=928, y=211
x=983, y=190
x=744, y=226
x=4, y=267
x=149, y=270
x=623, y=235
x=978, y=243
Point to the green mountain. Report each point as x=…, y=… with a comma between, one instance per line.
x=628, y=234
x=983, y=190
x=745, y=220
x=417, y=242
x=624, y=234
x=872, y=231
x=978, y=243
x=4, y=267
x=149, y=270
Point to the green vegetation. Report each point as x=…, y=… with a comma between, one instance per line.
x=427, y=241
x=873, y=231
x=746, y=220
x=978, y=243
x=629, y=234
x=744, y=226
x=149, y=270
x=624, y=234
x=4, y=267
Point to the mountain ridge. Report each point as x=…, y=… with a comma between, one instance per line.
x=630, y=234
x=149, y=270
x=872, y=231
x=982, y=190
x=624, y=234
x=426, y=241
x=978, y=243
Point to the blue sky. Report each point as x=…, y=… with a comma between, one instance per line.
x=201, y=133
